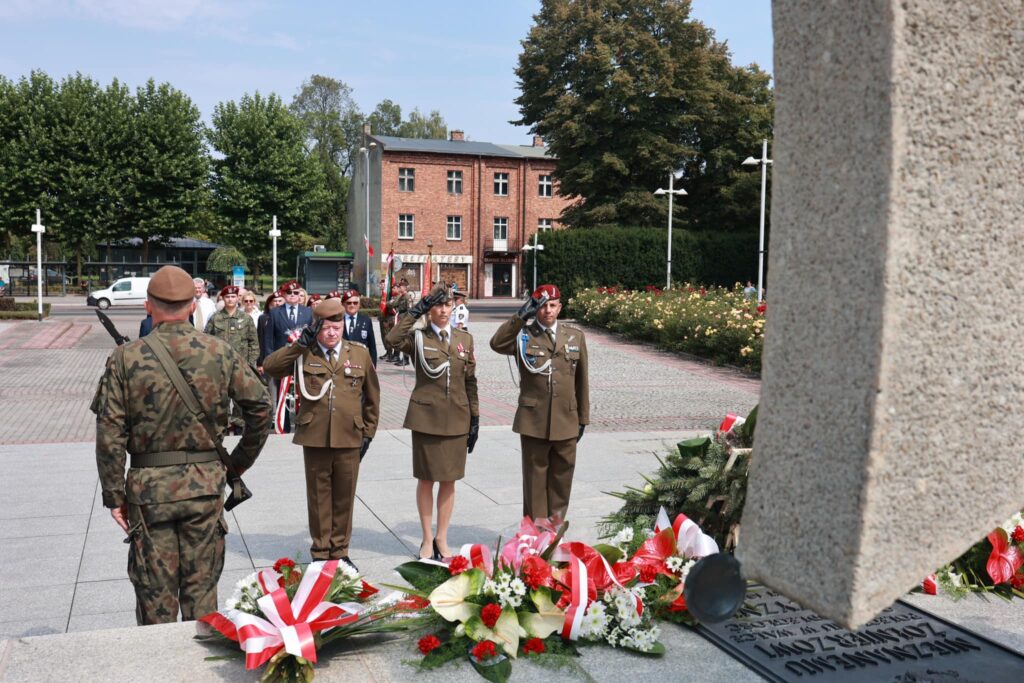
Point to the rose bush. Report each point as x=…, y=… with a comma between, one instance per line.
x=716, y=323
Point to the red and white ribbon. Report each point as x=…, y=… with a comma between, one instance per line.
x=579, y=599
x=289, y=624
x=478, y=555
x=691, y=542
x=587, y=568
x=282, y=404
x=731, y=420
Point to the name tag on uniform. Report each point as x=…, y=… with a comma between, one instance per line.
x=572, y=349
x=315, y=365
x=429, y=348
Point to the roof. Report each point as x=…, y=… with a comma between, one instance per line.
x=487, y=149
x=174, y=243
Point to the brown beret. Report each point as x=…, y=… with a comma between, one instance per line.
x=330, y=309
x=441, y=288
x=171, y=285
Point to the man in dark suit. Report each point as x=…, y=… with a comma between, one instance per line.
x=358, y=327
x=284, y=320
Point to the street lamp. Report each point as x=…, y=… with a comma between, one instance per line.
x=535, y=248
x=764, y=162
x=671, y=192
x=366, y=236
x=274, y=234
x=38, y=228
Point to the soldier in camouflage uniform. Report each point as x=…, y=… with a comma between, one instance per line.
x=171, y=502
x=400, y=305
x=235, y=326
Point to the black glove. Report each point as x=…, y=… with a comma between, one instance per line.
x=474, y=431
x=309, y=333
x=580, y=435
x=365, y=447
x=531, y=307
x=426, y=303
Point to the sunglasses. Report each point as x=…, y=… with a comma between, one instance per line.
x=354, y=301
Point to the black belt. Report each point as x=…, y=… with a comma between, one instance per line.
x=168, y=458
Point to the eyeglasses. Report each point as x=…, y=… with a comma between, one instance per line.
x=351, y=303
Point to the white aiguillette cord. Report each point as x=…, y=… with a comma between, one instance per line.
x=433, y=372
x=302, y=382
x=522, y=339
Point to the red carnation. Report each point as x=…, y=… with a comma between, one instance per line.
x=1017, y=580
x=1018, y=534
x=489, y=614
x=648, y=573
x=761, y=308
x=536, y=572
x=458, y=565
x=484, y=650
x=428, y=644
x=282, y=563
x=534, y=645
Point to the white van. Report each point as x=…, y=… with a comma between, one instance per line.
x=128, y=291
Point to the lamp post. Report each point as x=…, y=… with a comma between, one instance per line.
x=534, y=248
x=366, y=236
x=274, y=234
x=671, y=192
x=38, y=228
x=764, y=162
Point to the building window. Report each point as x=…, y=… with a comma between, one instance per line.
x=406, y=179
x=500, y=229
x=544, y=186
x=455, y=227
x=501, y=184
x=454, y=182
x=406, y=226
x=544, y=224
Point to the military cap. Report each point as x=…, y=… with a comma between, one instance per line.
x=403, y=282
x=441, y=288
x=313, y=298
x=458, y=293
x=230, y=289
x=349, y=294
x=551, y=290
x=330, y=309
x=172, y=285
x=290, y=286
x=333, y=294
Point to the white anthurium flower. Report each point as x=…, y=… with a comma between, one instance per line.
x=449, y=599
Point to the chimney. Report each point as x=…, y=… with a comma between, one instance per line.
x=458, y=136
x=538, y=141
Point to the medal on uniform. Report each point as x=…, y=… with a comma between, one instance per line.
x=462, y=350
x=348, y=367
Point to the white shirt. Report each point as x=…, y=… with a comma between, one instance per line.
x=350, y=323
x=554, y=328
x=325, y=349
x=255, y=315
x=204, y=311
x=446, y=330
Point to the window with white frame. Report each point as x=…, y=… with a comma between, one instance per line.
x=545, y=188
x=455, y=227
x=544, y=224
x=406, y=179
x=454, y=182
x=500, y=228
x=406, y=226
x=501, y=184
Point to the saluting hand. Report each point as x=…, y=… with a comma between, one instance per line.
x=309, y=333
x=426, y=303
x=530, y=308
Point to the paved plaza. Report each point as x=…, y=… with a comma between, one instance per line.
x=62, y=569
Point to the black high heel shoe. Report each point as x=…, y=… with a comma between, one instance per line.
x=437, y=552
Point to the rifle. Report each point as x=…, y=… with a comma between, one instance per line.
x=119, y=338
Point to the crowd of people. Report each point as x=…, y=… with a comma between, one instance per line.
x=319, y=356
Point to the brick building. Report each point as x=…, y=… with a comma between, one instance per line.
x=473, y=204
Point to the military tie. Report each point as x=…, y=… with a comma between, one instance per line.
x=291, y=314
x=444, y=338
x=330, y=355
x=551, y=334
x=351, y=325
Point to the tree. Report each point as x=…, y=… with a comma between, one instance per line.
x=417, y=125
x=224, y=259
x=386, y=119
x=264, y=170
x=624, y=91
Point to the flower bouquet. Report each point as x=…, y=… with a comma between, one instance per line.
x=993, y=565
x=543, y=596
x=280, y=617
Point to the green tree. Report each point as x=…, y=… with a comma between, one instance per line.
x=430, y=126
x=168, y=165
x=624, y=91
x=262, y=169
x=386, y=119
x=224, y=259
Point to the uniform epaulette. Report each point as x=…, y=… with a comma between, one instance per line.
x=574, y=326
x=355, y=343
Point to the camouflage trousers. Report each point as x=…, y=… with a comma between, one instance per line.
x=175, y=557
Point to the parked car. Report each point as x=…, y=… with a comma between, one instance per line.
x=128, y=291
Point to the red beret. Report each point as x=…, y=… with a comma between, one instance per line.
x=291, y=286
x=230, y=289
x=333, y=294
x=349, y=293
x=314, y=297
x=551, y=290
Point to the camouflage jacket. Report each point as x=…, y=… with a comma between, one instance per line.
x=400, y=304
x=139, y=411
x=237, y=330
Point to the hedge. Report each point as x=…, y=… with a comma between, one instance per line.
x=24, y=311
x=633, y=258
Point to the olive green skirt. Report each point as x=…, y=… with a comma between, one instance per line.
x=438, y=458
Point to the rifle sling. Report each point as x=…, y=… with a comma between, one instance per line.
x=184, y=389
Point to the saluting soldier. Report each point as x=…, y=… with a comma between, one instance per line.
x=443, y=413
x=170, y=504
x=235, y=326
x=554, y=398
x=338, y=413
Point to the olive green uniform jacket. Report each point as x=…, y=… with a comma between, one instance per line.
x=552, y=411
x=237, y=330
x=139, y=411
x=432, y=408
x=348, y=411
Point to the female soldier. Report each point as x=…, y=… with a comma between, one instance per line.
x=443, y=413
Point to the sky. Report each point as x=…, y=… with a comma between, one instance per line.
x=457, y=57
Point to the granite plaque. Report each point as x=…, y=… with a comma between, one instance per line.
x=782, y=641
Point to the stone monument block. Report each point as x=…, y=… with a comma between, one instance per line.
x=892, y=410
